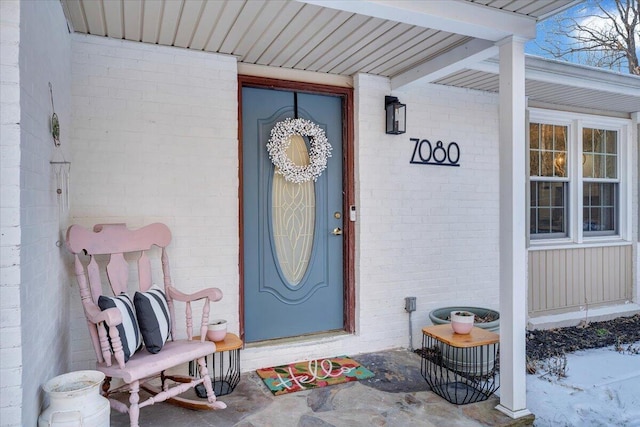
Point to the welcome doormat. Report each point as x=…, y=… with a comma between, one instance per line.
x=312, y=374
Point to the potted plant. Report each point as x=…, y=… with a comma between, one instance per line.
x=485, y=318
x=462, y=321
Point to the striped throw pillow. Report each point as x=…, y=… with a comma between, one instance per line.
x=153, y=316
x=128, y=329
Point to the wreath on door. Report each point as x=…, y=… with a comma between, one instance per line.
x=319, y=151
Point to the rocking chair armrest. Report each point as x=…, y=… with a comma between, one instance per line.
x=214, y=294
x=110, y=316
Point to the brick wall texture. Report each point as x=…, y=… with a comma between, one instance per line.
x=155, y=140
x=36, y=51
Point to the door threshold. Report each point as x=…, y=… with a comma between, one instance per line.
x=298, y=339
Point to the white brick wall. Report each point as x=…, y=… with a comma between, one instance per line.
x=155, y=140
x=10, y=336
x=413, y=237
x=426, y=231
x=35, y=49
x=45, y=53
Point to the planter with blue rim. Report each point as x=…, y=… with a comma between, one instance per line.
x=441, y=316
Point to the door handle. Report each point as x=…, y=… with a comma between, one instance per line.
x=337, y=231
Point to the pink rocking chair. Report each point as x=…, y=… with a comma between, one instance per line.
x=116, y=240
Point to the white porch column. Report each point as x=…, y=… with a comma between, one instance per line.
x=513, y=251
x=635, y=141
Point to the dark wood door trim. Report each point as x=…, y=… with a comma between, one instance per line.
x=347, y=179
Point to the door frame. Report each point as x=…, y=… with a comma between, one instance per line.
x=348, y=195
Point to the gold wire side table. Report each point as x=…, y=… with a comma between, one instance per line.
x=224, y=366
x=460, y=368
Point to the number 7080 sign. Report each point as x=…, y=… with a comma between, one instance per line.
x=424, y=153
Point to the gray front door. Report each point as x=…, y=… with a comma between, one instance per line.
x=293, y=264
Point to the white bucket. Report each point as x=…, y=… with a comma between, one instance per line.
x=75, y=400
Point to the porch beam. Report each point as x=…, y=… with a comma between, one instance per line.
x=459, y=17
x=558, y=72
x=513, y=250
x=449, y=62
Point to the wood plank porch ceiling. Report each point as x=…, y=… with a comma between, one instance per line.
x=391, y=38
x=294, y=34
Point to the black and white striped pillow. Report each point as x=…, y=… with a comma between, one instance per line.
x=128, y=329
x=153, y=316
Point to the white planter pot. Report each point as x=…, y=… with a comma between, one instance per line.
x=462, y=321
x=217, y=330
x=75, y=400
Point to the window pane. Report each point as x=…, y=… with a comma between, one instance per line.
x=560, y=164
x=548, y=209
x=587, y=140
x=598, y=166
x=560, y=142
x=547, y=137
x=587, y=165
x=611, y=167
x=534, y=163
x=547, y=164
x=533, y=221
x=598, y=143
x=608, y=195
x=599, y=149
x=608, y=219
x=534, y=134
x=600, y=208
x=612, y=142
x=548, y=150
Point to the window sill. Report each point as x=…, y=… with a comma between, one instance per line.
x=566, y=244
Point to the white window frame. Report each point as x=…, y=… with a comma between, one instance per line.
x=575, y=123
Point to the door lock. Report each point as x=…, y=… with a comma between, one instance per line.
x=337, y=231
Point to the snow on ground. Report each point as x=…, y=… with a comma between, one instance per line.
x=601, y=388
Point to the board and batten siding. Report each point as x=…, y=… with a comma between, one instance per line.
x=562, y=280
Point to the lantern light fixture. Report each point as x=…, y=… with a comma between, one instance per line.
x=396, y=115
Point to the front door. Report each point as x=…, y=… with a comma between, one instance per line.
x=292, y=232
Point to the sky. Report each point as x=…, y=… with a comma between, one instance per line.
x=545, y=27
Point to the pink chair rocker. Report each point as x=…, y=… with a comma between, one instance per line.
x=116, y=240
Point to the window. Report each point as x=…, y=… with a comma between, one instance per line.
x=600, y=183
x=549, y=183
x=577, y=179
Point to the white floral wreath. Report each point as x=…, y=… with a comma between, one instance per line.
x=279, y=142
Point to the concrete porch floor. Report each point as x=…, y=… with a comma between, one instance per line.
x=396, y=396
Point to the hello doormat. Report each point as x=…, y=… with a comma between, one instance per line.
x=312, y=374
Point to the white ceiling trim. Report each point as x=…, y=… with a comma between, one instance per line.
x=443, y=65
x=458, y=17
x=548, y=71
x=294, y=75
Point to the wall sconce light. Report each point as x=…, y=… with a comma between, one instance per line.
x=396, y=122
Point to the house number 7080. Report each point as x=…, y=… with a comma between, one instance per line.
x=426, y=154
